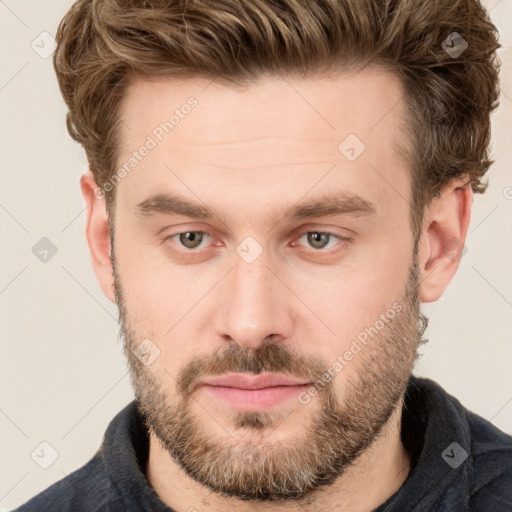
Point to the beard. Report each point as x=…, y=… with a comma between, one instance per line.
x=246, y=463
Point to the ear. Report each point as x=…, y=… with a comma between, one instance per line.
x=98, y=234
x=442, y=241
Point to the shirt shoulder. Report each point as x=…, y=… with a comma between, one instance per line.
x=491, y=452
x=85, y=489
x=463, y=461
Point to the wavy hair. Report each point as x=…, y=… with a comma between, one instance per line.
x=103, y=44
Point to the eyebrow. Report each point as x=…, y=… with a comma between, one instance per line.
x=343, y=203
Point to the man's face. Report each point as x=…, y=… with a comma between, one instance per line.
x=263, y=292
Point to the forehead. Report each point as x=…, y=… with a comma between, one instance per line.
x=277, y=135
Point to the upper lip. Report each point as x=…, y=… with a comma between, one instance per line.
x=242, y=381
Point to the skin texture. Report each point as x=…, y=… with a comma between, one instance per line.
x=251, y=153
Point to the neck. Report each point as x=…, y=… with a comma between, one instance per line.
x=369, y=481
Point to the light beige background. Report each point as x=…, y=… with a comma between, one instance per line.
x=62, y=374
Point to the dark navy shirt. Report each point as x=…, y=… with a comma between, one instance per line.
x=460, y=462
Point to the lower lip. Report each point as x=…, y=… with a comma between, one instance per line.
x=254, y=399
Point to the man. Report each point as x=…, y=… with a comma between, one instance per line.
x=275, y=188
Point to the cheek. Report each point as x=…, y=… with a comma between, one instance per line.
x=353, y=296
x=161, y=301
x=352, y=304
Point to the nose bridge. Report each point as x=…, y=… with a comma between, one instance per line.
x=254, y=307
x=251, y=282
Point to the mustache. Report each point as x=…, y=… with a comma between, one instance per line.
x=269, y=357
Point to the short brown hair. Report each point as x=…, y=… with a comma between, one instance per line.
x=103, y=44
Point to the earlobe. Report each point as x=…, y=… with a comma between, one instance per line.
x=444, y=235
x=98, y=234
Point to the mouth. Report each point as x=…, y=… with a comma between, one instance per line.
x=254, y=392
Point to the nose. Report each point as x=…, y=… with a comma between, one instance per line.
x=255, y=305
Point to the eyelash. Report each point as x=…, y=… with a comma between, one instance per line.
x=344, y=241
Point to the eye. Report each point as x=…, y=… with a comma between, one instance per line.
x=319, y=240
x=189, y=239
